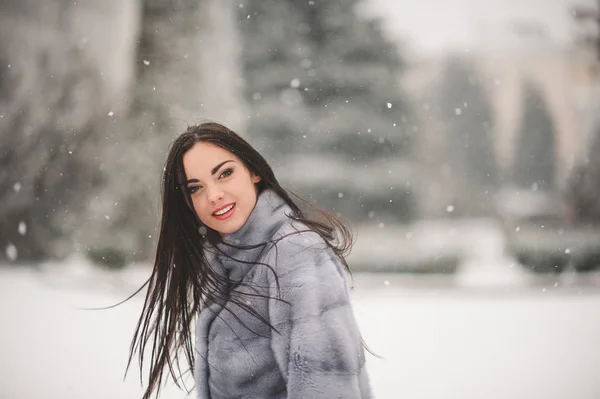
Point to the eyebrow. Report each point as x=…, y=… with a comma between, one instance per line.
x=212, y=172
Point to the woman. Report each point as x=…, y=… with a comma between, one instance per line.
x=265, y=282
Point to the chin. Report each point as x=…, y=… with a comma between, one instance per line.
x=229, y=228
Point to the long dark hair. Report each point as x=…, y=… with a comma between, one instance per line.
x=182, y=279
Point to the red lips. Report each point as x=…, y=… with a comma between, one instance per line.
x=226, y=214
x=223, y=207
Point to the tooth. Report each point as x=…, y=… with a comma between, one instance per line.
x=224, y=210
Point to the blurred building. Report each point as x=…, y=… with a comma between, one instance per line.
x=507, y=58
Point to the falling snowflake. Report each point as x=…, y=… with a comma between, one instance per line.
x=450, y=208
x=17, y=187
x=389, y=105
x=340, y=195
x=295, y=83
x=111, y=113
x=22, y=228
x=11, y=252
x=457, y=111
x=146, y=62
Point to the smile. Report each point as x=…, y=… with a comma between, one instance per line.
x=224, y=213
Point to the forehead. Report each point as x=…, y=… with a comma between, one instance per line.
x=203, y=157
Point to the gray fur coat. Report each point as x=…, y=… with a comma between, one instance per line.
x=316, y=351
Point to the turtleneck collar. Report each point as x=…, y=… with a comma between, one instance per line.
x=268, y=215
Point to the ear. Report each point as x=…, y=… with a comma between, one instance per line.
x=255, y=178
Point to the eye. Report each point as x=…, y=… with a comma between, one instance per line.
x=226, y=173
x=194, y=189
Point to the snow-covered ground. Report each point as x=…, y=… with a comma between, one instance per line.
x=489, y=331
x=439, y=339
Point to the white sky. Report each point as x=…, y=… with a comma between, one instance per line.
x=430, y=26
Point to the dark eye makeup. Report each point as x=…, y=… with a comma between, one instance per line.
x=226, y=173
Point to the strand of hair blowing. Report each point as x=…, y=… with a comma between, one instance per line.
x=182, y=281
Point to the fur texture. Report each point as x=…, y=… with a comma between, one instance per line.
x=316, y=351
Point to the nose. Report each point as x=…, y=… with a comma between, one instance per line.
x=215, y=193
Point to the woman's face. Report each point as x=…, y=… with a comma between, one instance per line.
x=222, y=189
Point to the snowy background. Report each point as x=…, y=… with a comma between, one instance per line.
x=458, y=137
x=441, y=337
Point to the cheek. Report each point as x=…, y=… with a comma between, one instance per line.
x=199, y=208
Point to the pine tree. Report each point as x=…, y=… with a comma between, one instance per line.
x=466, y=127
x=534, y=164
x=467, y=112
x=583, y=184
x=321, y=81
x=316, y=69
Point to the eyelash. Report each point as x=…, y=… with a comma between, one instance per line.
x=225, y=171
x=195, y=189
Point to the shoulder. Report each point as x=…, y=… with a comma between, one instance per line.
x=296, y=238
x=300, y=250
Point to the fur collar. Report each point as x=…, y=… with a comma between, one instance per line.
x=267, y=217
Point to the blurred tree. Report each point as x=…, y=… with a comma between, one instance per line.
x=187, y=68
x=535, y=158
x=53, y=106
x=583, y=185
x=165, y=97
x=317, y=69
x=582, y=190
x=322, y=81
x=466, y=126
x=587, y=19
